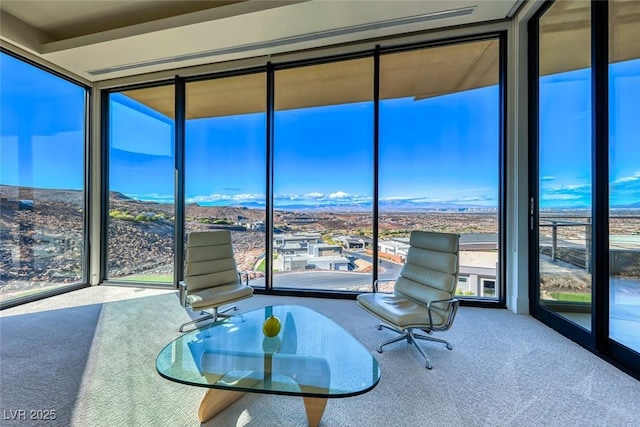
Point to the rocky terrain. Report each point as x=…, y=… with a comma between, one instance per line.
x=41, y=237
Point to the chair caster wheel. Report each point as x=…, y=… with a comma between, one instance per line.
x=449, y=347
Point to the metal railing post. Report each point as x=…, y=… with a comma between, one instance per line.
x=554, y=239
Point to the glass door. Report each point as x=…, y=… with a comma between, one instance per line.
x=564, y=198
x=624, y=174
x=585, y=171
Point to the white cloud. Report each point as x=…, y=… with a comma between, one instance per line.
x=560, y=196
x=570, y=187
x=634, y=177
x=318, y=198
x=339, y=195
x=313, y=195
x=153, y=197
x=225, y=198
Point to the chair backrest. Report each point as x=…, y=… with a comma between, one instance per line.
x=430, y=271
x=210, y=260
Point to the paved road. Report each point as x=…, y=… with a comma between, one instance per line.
x=390, y=270
x=325, y=280
x=330, y=280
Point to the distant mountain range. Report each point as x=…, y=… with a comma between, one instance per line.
x=389, y=206
x=396, y=205
x=343, y=205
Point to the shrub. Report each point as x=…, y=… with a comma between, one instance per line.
x=120, y=215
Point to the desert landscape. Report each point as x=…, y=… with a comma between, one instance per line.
x=41, y=232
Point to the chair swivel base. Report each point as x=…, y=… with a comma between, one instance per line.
x=215, y=315
x=411, y=337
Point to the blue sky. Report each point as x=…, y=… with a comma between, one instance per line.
x=41, y=128
x=440, y=150
x=325, y=154
x=565, y=137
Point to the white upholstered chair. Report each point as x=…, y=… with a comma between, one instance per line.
x=211, y=277
x=423, y=298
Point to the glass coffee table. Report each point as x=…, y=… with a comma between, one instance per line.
x=311, y=357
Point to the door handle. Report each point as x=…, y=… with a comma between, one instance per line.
x=531, y=212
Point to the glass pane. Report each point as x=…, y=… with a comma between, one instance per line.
x=225, y=171
x=624, y=174
x=440, y=158
x=565, y=161
x=42, y=140
x=141, y=186
x=323, y=176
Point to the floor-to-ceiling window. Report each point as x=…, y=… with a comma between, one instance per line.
x=42, y=180
x=440, y=157
x=624, y=173
x=310, y=163
x=140, y=196
x=225, y=165
x=323, y=176
x=585, y=199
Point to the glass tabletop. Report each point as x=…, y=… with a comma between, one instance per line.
x=310, y=356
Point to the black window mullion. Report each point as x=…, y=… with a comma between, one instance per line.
x=600, y=175
x=376, y=159
x=104, y=187
x=501, y=272
x=268, y=283
x=179, y=180
x=88, y=225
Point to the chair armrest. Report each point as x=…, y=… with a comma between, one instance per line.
x=452, y=312
x=182, y=290
x=435, y=301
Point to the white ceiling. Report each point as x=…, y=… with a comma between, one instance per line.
x=100, y=40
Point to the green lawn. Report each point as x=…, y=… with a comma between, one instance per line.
x=28, y=292
x=571, y=297
x=155, y=278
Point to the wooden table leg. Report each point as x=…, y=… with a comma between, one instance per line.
x=314, y=406
x=214, y=401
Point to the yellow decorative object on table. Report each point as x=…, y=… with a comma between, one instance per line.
x=271, y=326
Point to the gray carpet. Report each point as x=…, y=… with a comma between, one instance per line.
x=90, y=356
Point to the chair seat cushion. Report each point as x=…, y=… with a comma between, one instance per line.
x=218, y=295
x=397, y=311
